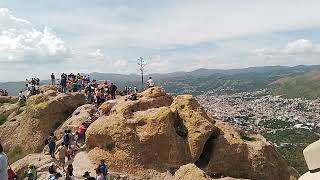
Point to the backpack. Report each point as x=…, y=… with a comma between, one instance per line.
x=66, y=138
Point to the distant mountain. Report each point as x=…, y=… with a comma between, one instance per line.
x=216, y=80
x=306, y=85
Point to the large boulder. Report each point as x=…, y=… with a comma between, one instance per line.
x=8, y=99
x=79, y=116
x=45, y=88
x=44, y=113
x=40, y=161
x=190, y=172
x=239, y=155
x=153, y=132
x=7, y=108
x=200, y=127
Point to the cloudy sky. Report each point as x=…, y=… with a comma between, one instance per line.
x=40, y=37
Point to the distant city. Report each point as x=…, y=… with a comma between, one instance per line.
x=261, y=112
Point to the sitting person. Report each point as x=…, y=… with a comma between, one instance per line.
x=32, y=172
x=87, y=176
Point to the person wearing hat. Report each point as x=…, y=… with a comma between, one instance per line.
x=32, y=172
x=3, y=164
x=87, y=176
x=312, y=158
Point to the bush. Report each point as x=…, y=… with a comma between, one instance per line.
x=15, y=154
x=3, y=119
x=247, y=138
x=291, y=143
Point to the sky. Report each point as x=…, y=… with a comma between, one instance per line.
x=40, y=37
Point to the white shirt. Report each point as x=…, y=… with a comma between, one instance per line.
x=3, y=166
x=150, y=82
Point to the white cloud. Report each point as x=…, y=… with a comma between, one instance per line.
x=265, y=52
x=120, y=63
x=301, y=46
x=21, y=42
x=97, y=54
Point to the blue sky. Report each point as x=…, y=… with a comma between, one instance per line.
x=40, y=37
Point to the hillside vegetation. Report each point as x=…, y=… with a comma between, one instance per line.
x=306, y=85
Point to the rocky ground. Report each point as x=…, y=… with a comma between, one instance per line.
x=154, y=137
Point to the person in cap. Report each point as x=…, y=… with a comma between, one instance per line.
x=312, y=158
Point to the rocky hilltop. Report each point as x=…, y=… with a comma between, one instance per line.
x=154, y=137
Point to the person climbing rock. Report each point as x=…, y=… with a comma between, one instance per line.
x=66, y=138
x=62, y=153
x=82, y=133
x=52, y=144
x=3, y=164
x=32, y=172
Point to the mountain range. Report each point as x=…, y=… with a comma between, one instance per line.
x=298, y=81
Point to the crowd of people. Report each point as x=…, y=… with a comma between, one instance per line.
x=71, y=142
x=3, y=92
x=32, y=86
x=95, y=92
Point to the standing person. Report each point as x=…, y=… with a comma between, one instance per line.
x=125, y=91
x=150, y=82
x=75, y=86
x=100, y=175
x=52, y=144
x=66, y=138
x=113, y=90
x=38, y=82
x=82, y=133
x=53, y=80
x=135, y=90
x=63, y=83
x=69, y=173
x=27, y=84
x=3, y=164
x=103, y=167
x=62, y=153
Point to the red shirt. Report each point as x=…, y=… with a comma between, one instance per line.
x=82, y=129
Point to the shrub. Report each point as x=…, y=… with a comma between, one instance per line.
x=3, y=119
x=15, y=154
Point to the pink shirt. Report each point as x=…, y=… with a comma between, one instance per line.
x=82, y=129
